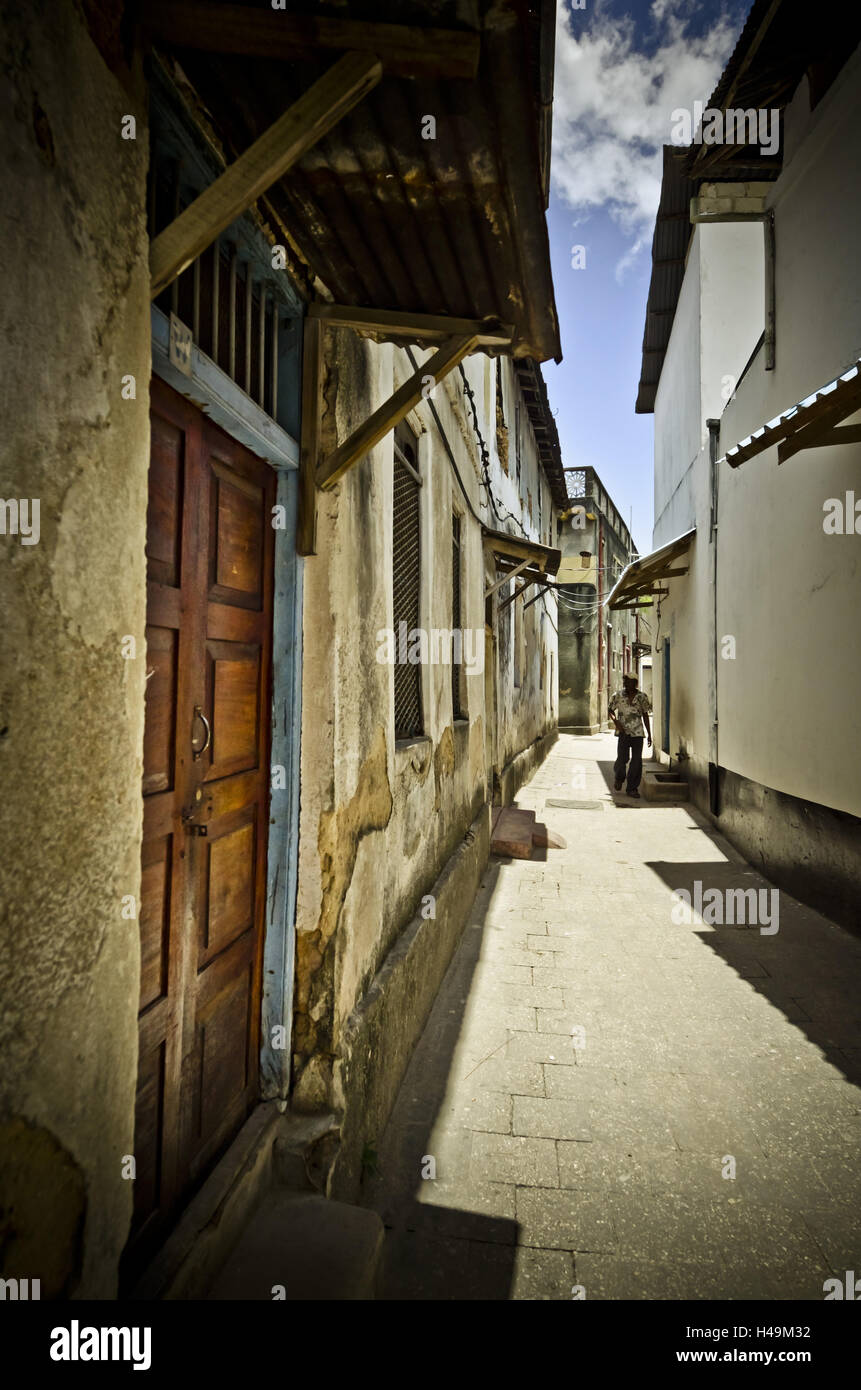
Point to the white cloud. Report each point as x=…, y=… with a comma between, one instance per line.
x=613, y=105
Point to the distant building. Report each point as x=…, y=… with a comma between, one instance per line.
x=596, y=647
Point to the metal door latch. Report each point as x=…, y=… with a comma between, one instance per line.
x=190, y=825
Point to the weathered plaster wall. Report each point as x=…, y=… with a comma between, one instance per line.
x=526, y=709
x=384, y=822
x=75, y=320
x=379, y=820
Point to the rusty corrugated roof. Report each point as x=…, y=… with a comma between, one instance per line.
x=388, y=220
x=534, y=389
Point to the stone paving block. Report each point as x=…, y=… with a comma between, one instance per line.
x=618, y=1277
x=545, y=944
x=515, y=975
x=563, y=1220
x=837, y=1232
x=515, y=1017
x=551, y=1119
x=541, y=1047
x=484, y=1110
x=558, y=1021
x=700, y=1042
x=529, y=995
x=675, y=1226
x=505, y=1158
x=543, y=1275
x=578, y=1083
x=513, y=1078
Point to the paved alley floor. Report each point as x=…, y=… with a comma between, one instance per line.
x=608, y=1099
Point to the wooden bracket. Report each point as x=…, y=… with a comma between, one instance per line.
x=384, y=419
x=430, y=328
x=265, y=161
x=510, y=574
x=826, y=430
x=528, y=582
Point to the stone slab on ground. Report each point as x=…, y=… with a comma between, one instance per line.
x=313, y=1247
x=512, y=833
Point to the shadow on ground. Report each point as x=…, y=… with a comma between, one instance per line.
x=801, y=968
x=434, y=1250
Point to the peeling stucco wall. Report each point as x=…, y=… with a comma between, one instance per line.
x=75, y=321
x=379, y=820
x=382, y=821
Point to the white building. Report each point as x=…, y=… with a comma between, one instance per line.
x=754, y=308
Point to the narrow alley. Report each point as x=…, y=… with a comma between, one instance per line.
x=593, y=1073
x=416, y=414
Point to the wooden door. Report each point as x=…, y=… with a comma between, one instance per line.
x=206, y=799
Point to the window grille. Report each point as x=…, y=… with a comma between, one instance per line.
x=406, y=560
x=237, y=312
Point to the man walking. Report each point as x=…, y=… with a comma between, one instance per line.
x=629, y=711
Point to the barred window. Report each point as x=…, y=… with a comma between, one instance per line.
x=406, y=561
x=458, y=671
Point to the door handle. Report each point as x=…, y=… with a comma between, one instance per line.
x=199, y=752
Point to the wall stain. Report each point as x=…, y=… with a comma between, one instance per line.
x=340, y=832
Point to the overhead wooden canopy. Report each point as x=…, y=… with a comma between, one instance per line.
x=425, y=198
x=515, y=556
x=814, y=423
x=406, y=50
x=638, y=580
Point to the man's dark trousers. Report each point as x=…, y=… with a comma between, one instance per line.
x=634, y=746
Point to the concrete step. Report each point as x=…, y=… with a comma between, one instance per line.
x=664, y=786
x=512, y=834
x=307, y=1245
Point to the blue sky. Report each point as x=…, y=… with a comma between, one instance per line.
x=621, y=69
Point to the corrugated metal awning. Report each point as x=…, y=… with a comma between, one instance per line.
x=385, y=218
x=811, y=424
x=637, y=579
x=543, y=559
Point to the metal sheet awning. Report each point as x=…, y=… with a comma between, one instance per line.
x=428, y=196
x=811, y=424
x=637, y=580
x=519, y=558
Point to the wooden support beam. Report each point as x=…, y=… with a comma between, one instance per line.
x=406, y=50
x=384, y=419
x=497, y=584
x=418, y=327
x=811, y=434
x=279, y=147
x=521, y=589
x=309, y=447
x=841, y=434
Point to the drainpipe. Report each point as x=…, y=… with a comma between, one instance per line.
x=713, y=427
x=770, y=314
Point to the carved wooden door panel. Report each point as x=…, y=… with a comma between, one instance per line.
x=206, y=799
